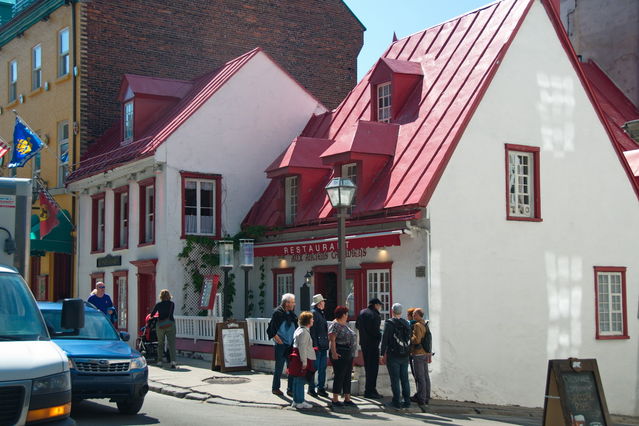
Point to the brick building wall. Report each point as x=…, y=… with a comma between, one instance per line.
x=317, y=41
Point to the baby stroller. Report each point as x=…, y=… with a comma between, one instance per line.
x=147, y=341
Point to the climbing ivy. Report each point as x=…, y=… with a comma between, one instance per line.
x=200, y=254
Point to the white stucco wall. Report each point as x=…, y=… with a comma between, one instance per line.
x=507, y=296
x=236, y=134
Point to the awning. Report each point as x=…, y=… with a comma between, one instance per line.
x=58, y=240
x=327, y=245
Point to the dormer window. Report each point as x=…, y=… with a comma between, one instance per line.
x=291, y=194
x=349, y=171
x=384, y=102
x=128, y=120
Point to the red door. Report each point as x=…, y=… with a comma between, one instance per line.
x=146, y=296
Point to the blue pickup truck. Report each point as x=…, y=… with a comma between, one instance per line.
x=102, y=364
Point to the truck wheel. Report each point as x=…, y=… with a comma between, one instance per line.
x=130, y=406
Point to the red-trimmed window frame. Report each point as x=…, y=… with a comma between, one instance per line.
x=285, y=203
x=143, y=185
x=95, y=203
x=218, y=201
x=281, y=271
x=624, y=306
x=117, y=222
x=534, y=150
x=117, y=295
x=124, y=104
x=368, y=266
x=95, y=278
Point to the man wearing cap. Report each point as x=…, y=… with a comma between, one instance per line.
x=368, y=323
x=319, y=334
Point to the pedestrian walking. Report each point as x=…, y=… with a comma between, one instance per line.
x=100, y=299
x=303, y=346
x=411, y=321
x=343, y=347
x=319, y=333
x=368, y=323
x=395, y=350
x=165, y=326
x=281, y=329
x=421, y=341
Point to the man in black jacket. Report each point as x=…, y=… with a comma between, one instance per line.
x=319, y=334
x=281, y=329
x=368, y=323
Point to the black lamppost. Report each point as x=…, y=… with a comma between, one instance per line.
x=246, y=262
x=341, y=192
x=225, y=252
x=305, y=292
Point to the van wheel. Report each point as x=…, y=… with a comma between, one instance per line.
x=130, y=406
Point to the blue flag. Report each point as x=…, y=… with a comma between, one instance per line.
x=26, y=144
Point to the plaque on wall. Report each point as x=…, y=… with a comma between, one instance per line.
x=109, y=260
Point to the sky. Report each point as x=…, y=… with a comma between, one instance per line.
x=404, y=17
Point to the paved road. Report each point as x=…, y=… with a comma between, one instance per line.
x=167, y=410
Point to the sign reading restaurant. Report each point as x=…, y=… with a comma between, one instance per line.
x=354, y=245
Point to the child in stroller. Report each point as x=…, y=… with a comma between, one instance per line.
x=147, y=341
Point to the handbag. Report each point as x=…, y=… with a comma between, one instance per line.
x=295, y=367
x=166, y=323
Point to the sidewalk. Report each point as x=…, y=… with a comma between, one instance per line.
x=193, y=379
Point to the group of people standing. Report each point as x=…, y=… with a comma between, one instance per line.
x=304, y=344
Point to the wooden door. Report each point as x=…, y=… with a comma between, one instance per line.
x=146, y=296
x=62, y=281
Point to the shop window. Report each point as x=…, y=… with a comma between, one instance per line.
x=98, y=217
x=201, y=204
x=63, y=52
x=36, y=67
x=384, y=103
x=282, y=284
x=610, y=296
x=291, y=196
x=13, y=81
x=121, y=218
x=522, y=185
x=147, y=211
x=379, y=285
x=121, y=293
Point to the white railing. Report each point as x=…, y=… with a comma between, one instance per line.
x=257, y=331
x=196, y=328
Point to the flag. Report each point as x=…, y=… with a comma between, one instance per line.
x=26, y=144
x=48, y=213
x=4, y=147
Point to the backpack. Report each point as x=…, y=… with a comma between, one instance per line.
x=399, y=344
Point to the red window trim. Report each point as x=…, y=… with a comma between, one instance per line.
x=536, y=182
x=299, y=185
x=375, y=99
x=366, y=266
x=624, y=306
x=94, y=222
x=116, y=293
x=95, y=277
x=117, y=199
x=218, y=201
x=123, y=108
x=142, y=185
x=281, y=271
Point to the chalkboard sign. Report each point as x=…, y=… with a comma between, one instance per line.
x=231, y=348
x=574, y=395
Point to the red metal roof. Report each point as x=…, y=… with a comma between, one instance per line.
x=458, y=59
x=616, y=107
x=154, y=86
x=302, y=152
x=109, y=151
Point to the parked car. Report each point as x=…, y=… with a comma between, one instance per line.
x=102, y=364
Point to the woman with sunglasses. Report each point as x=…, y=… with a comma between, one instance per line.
x=100, y=299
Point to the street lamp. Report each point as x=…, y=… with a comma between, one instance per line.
x=246, y=262
x=341, y=192
x=225, y=252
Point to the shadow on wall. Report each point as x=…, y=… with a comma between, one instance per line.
x=556, y=109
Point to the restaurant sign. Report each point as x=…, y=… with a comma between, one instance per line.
x=326, y=246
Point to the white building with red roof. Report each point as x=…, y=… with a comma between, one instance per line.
x=493, y=191
x=185, y=159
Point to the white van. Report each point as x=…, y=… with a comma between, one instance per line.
x=35, y=385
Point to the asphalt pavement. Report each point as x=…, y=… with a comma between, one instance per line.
x=168, y=410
